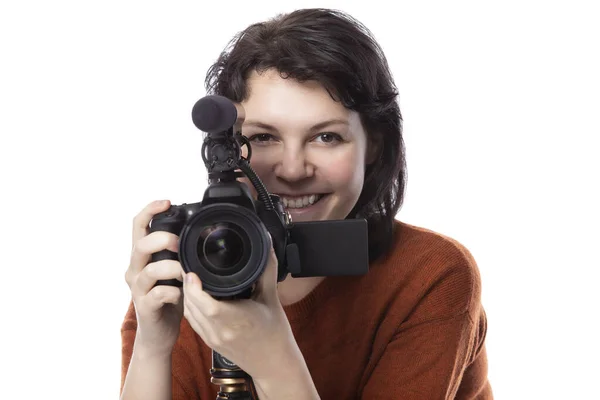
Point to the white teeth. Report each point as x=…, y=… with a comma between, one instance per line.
x=300, y=202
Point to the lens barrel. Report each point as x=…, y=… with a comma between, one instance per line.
x=227, y=246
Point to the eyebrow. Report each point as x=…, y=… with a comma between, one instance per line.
x=316, y=127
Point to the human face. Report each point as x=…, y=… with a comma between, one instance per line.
x=306, y=147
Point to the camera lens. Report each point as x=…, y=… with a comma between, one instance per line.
x=221, y=246
x=227, y=245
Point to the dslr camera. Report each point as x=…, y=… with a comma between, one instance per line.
x=226, y=238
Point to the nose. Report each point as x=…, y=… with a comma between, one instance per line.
x=293, y=165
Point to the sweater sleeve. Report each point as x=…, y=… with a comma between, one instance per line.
x=434, y=348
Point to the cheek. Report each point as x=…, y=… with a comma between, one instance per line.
x=345, y=171
x=261, y=163
x=261, y=166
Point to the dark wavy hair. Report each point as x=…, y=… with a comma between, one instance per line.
x=333, y=48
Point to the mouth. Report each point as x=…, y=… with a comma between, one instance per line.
x=301, y=202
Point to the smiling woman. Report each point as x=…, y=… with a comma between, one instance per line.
x=323, y=120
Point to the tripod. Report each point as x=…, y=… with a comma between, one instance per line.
x=233, y=382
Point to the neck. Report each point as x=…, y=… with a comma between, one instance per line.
x=292, y=290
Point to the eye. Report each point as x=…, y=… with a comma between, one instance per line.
x=261, y=138
x=329, y=137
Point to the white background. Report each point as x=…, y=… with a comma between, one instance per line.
x=500, y=101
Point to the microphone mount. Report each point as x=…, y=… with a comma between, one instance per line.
x=222, y=155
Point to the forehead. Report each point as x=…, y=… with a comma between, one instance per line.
x=273, y=98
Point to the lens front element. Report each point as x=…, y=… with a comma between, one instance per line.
x=222, y=247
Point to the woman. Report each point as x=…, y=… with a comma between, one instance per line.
x=326, y=135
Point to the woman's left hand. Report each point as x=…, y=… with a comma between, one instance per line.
x=253, y=333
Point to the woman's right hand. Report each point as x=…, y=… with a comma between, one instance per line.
x=159, y=309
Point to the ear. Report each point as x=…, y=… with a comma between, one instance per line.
x=374, y=147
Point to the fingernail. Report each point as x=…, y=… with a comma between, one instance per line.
x=188, y=278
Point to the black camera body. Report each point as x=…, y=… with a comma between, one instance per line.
x=226, y=239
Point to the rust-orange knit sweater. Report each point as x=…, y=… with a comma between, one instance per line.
x=413, y=327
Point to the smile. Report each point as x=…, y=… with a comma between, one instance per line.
x=300, y=201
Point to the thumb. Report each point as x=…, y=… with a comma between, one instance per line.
x=190, y=279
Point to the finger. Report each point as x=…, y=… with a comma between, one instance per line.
x=266, y=287
x=198, y=298
x=211, y=308
x=141, y=221
x=147, y=245
x=160, y=270
x=161, y=295
x=197, y=321
x=194, y=313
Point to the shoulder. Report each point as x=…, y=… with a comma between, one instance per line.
x=432, y=270
x=419, y=243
